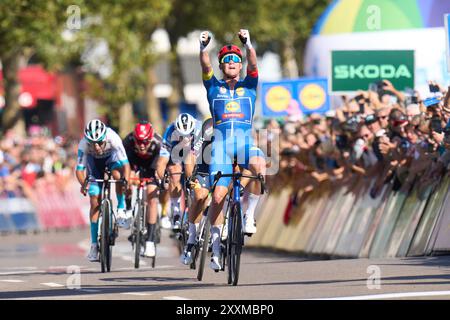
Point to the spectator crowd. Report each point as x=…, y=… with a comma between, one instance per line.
x=382, y=134
x=38, y=157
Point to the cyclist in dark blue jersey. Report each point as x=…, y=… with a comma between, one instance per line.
x=232, y=106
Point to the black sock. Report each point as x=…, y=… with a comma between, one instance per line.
x=151, y=232
x=128, y=203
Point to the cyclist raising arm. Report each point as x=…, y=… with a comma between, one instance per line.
x=101, y=148
x=232, y=106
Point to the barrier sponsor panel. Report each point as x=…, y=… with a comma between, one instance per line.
x=59, y=209
x=326, y=227
x=429, y=219
x=17, y=214
x=369, y=237
x=441, y=242
x=387, y=224
x=344, y=220
x=408, y=218
x=344, y=209
x=322, y=217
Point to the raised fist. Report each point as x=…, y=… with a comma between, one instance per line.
x=205, y=38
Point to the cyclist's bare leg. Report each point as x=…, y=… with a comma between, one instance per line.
x=152, y=212
x=117, y=175
x=152, y=200
x=198, y=205
x=175, y=189
x=216, y=217
x=93, y=214
x=257, y=166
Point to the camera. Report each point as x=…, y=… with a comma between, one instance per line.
x=433, y=88
x=436, y=125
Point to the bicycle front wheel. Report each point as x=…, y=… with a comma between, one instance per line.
x=105, y=249
x=234, y=244
x=137, y=236
x=203, y=247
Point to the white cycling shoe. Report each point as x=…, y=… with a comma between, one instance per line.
x=165, y=223
x=186, y=258
x=93, y=253
x=250, y=226
x=123, y=220
x=150, y=249
x=215, y=263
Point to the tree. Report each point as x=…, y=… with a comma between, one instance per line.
x=26, y=27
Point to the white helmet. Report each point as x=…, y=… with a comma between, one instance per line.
x=185, y=124
x=95, y=131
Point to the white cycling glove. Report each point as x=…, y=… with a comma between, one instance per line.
x=244, y=36
x=205, y=39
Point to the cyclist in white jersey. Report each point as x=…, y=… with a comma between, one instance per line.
x=102, y=148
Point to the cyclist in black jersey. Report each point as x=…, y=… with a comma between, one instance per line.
x=142, y=147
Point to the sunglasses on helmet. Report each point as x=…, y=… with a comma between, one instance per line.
x=231, y=57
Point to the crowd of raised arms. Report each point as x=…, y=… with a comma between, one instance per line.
x=381, y=134
x=189, y=151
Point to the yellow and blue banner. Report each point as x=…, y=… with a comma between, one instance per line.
x=294, y=97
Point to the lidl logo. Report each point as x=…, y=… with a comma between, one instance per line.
x=278, y=98
x=312, y=96
x=240, y=91
x=232, y=106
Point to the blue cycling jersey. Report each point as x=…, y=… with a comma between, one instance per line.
x=231, y=109
x=232, y=112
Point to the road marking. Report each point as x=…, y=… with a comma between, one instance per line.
x=391, y=295
x=18, y=272
x=52, y=284
x=175, y=298
x=12, y=281
x=127, y=258
x=137, y=293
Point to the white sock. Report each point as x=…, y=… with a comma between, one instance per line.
x=215, y=236
x=252, y=203
x=192, y=232
x=175, y=206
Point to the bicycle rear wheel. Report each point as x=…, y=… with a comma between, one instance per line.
x=235, y=241
x=203, y=247
x=138, y=236
x=105, y=249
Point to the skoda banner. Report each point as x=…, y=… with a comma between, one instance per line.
x=356, y=70
x=295, y=97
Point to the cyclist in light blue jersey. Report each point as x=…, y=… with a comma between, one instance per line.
x=232, y=106
x=102, y=148
x=176, y=149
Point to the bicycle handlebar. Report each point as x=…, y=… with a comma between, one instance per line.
x=220, y=175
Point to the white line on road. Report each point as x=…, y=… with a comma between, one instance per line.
x=391, y=295
x=175, y=298
x=18, y=272
x=52, y=284
x=127, y=258
x=137, y=293
x=12, y=280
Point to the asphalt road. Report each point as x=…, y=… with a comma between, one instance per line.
x=45, y=266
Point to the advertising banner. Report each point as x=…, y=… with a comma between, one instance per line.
x=357, y=70
x=295, y=97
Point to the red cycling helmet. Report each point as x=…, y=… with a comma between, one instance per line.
x=231, y=48
x=143, y=131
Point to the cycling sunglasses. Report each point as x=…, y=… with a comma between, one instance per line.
x=145, y=142
x=231, y=57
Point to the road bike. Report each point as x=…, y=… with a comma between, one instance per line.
x=107, y=220
x=139, y=225
x=234, y=220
